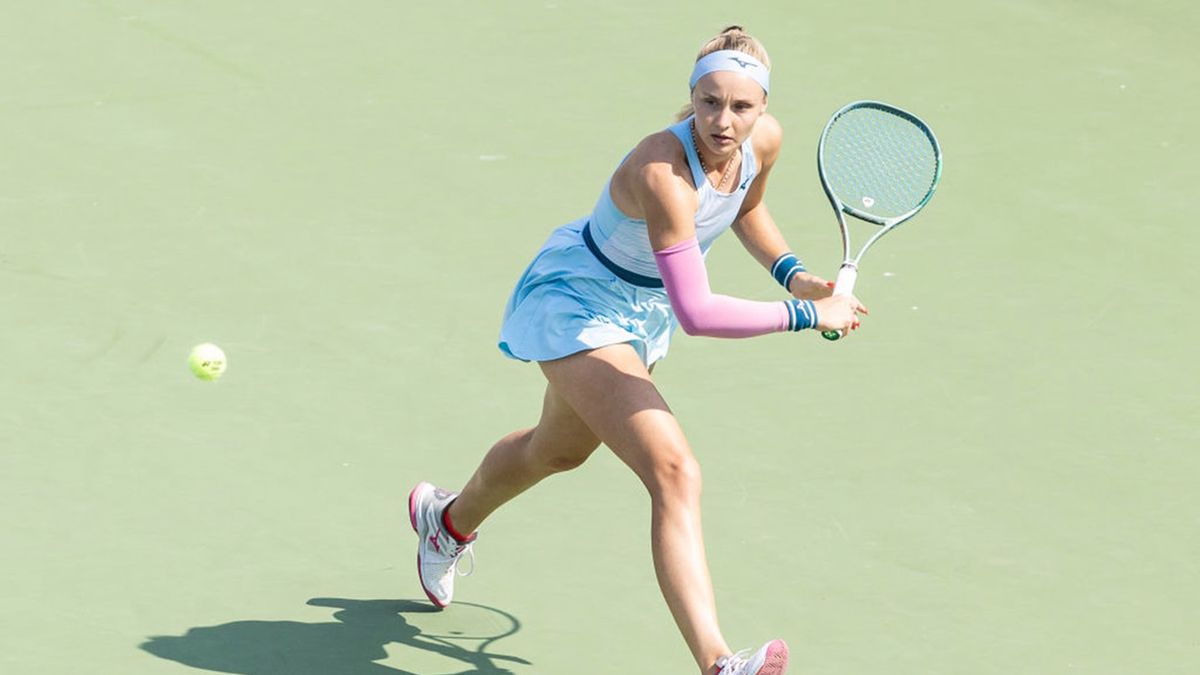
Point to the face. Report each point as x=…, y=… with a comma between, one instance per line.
x=727, y=106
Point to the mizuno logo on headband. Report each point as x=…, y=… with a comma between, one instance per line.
x=733, y=61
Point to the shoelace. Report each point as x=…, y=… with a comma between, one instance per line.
x=733, y=661
x=468, y=551
x=457, y=552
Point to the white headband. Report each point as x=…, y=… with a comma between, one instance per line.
x=735, y=62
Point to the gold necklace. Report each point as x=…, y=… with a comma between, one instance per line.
x=696, y=144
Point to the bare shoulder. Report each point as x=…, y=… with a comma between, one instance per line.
x=656, y=167
x=659, y=155
x=768, y=138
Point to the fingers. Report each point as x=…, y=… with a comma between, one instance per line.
x=858, y=306
x=840, y=313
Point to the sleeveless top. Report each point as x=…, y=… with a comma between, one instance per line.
x=623, y=243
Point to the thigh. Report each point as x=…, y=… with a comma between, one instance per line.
x=612, y=392
x=561, y=435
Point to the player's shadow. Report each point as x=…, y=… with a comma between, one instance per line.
x=349, y=646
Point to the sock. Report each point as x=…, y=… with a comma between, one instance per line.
x=449, y=527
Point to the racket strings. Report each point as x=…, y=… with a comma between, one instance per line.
x=879, y=162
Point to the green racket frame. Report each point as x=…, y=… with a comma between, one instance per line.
x=848, y=273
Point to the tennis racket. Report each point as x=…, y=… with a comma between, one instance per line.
x=877, y=163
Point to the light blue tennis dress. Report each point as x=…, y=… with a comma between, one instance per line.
x=595, y=282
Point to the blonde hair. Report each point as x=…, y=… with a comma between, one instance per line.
x=735, y=38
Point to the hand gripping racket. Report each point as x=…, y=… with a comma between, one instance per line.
x=877, y=163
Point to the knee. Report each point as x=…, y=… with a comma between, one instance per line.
x=675, y=476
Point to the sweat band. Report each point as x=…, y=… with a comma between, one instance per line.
x=734, y=62
x=803, y=314
x=702, y=312
x=785, y=267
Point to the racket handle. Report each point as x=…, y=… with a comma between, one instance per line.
x=844, y=285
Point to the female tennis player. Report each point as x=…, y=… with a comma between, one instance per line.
x=596, y=309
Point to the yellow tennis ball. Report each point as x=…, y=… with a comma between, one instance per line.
x=207, y=361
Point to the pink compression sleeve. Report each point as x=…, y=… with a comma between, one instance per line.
x=700, y=311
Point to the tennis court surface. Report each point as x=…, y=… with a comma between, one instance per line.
x=997, y=474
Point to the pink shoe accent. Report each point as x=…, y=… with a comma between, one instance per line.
x=412, y=520
x=776, y=662
x=412, y=506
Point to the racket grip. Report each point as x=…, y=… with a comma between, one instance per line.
x=844, y=285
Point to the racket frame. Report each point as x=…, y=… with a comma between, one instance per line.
x=848, y=272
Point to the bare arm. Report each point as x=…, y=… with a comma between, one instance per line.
x=654, y=184
x=755, y=227
x=659, y=183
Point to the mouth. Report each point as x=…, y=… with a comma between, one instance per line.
x=721, y=139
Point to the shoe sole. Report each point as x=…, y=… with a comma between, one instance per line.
x=412, y=519
x=776, y=660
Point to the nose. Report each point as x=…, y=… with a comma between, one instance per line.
x=725, y=118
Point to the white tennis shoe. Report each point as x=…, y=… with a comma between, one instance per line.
x=438, y=552
x=770, y=659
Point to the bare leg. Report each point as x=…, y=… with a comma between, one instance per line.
x=613, y=394
x=560, y=442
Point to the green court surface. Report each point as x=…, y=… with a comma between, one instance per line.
x=997, y=474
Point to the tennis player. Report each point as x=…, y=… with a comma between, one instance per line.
x=596, y=309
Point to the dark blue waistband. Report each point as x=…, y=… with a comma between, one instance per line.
x=622, y=273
